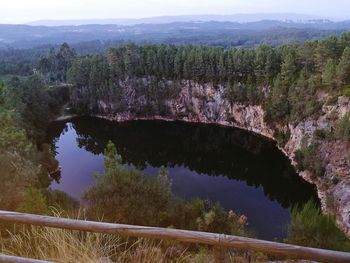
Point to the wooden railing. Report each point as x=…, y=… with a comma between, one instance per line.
x=216, y=240
x=13, y=259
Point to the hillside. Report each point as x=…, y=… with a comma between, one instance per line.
x=214, y=33
x=240, y=18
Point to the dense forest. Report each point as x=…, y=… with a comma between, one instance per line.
x=285, y=79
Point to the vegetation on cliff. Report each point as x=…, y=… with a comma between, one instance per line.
x=25, y=168
x=287, y=80
x=19, y=166
x=311, y=228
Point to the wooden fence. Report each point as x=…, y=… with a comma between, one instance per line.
x=13, y=259
x=216, y=240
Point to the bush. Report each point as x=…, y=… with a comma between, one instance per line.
x=309, y=158
x=34, y=202
x=342, y=128
x=128, y=196
x=332, y=100
x=282, y=137
x=320, y=134
x=61, y=201
x=310, y=228
x=346, y=91
x=202, y=215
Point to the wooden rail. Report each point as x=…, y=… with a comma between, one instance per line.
x=13, y=259
x=216, y=240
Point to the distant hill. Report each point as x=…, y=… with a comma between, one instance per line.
x=241, y=18
x=214, y=33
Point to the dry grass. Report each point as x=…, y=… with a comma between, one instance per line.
x=68, y=246
x=61, y=245
x=74, y=247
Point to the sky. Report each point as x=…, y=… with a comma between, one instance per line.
x=21, y=11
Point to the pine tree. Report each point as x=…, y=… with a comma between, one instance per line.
x=329, y=74
x=289, y=67
x=343, y=69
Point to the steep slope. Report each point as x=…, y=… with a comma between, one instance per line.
x=206, y=103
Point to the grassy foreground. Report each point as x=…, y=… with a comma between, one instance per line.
x=77, y=247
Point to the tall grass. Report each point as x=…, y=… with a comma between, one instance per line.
x=67, y=246
x=60, y=245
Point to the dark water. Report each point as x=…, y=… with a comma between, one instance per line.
x=240, y=170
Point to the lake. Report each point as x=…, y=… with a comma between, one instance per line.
x=242, y=171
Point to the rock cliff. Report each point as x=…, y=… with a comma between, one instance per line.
x=206, y=103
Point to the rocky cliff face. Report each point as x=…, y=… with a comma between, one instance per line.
x=206, y=103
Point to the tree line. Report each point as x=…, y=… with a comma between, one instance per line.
x=292, y=74
x=328, y=57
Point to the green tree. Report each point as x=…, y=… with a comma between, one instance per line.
x=132, y=198
x=289, y=66
x=56, y=64
x=307, y=55
x=310, y=228
x=18, y=170
x=277, y=108
x=328, y=48
x=266, y=64
x=31, y=100
x=303, y=98
x=329, y=74
x=344, y=40
x=343, y=69
x=236, y=92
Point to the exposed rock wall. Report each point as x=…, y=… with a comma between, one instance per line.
x=206, y=103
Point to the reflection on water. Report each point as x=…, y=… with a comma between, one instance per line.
x=242, y=171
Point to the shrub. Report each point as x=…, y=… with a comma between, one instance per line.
x=342, y=128
x=236, y=92
x=205, y=216
x=346, y=91
x=34, y=202
x=332, y=100
x=320, y=134
x=282, y=137
x=61, y=201
x=309, y=158
x=128, y=196
x=311, y=228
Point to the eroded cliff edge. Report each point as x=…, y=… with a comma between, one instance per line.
x=206, y=103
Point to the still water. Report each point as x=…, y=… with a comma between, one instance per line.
x=242, y=171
